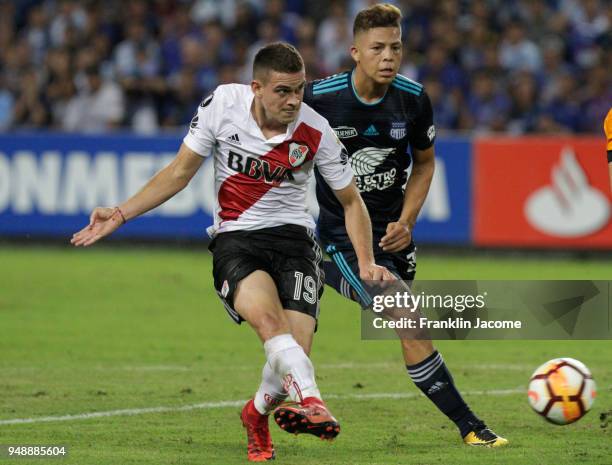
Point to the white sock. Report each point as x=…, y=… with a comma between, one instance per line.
x=291, y=364
x=271, y=391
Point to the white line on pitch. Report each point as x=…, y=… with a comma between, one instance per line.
x=323, y=366
x=234, y=403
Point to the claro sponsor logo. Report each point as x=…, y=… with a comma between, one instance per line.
x=569, y=206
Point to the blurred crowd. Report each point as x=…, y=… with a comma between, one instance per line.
x=522, y=66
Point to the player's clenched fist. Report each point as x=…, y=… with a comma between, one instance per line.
x=102, y=222
x=398, y=237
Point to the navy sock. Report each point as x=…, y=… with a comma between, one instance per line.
x=433, y=378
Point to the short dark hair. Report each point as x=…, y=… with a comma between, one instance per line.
x=277, y=56
x=379, y=15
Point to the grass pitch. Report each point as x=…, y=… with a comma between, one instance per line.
x=126, y=330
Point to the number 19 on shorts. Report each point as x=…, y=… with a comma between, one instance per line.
x=305, y=287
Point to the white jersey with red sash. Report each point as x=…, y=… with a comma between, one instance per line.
x=259, y=182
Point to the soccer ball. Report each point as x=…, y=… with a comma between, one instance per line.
x=562, y=390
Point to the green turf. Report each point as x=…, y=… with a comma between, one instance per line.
x=106, y=329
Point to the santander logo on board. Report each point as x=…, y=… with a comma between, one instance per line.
x=569, y=207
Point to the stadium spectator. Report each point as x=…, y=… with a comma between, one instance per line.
x=138, y=69
x=553, y=68
x=98, y=107
x=516, y=51
x=287, y=22
x=30, y=109
x=597, y=98
x=37, y=34
x=69, y=15
x=211, y=10
x=201, y=60
x=445, y=109
x=588, y=23
x=6, y=107
x=183, y=96
x=216, y=39
x=137, y=55
x=524, y=110
x=491, y=63
x=306, y=33
x=439, y=65
x=16, y=61
x=534, y=15
x=173, y=29
x=472, y=53
x=245, y=24
x=59, y=86
x=334, y=38
x=563, y=113
x=487, y=107
x=314, y=69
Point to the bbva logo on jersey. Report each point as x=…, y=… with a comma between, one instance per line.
x=268, y=170
x=297, y=154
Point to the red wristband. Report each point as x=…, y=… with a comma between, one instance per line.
x=118, y=210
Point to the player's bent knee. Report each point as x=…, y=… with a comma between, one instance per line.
x=268, y=324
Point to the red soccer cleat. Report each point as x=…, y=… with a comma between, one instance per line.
x=311, y=416
x=259, y=448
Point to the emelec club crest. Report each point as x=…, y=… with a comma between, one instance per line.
x=398, y=130
x=297, y=154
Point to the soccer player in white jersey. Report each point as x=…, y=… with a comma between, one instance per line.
x=266, y=262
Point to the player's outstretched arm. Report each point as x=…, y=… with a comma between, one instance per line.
x=359, y=229
x=399, y=233
x=164, y=185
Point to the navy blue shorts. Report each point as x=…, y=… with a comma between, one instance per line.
x=402, y=264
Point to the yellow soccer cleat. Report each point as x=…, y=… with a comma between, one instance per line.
x=483, y=437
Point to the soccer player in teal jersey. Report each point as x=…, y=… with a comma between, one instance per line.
x=382, y=117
